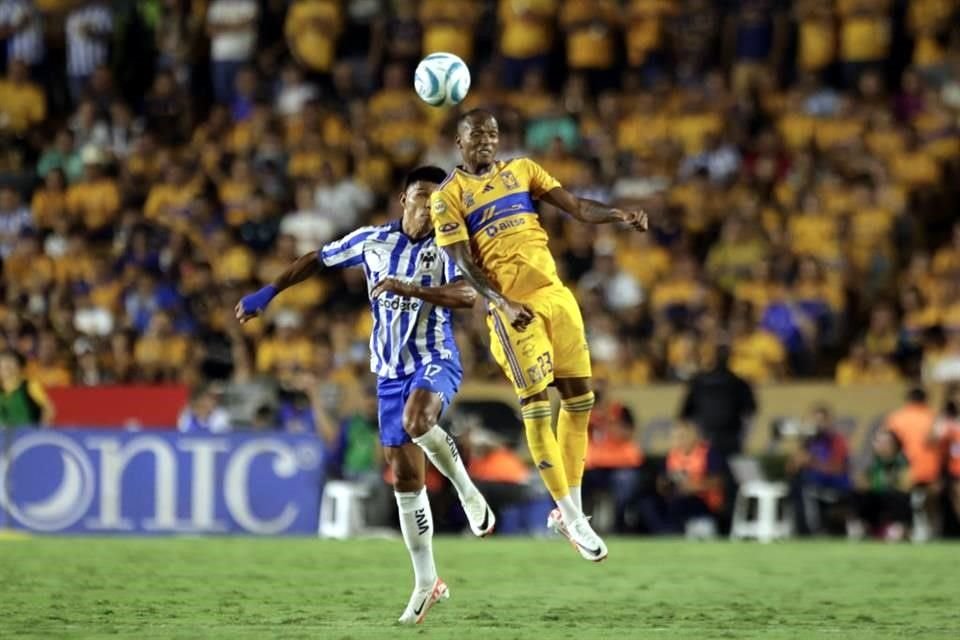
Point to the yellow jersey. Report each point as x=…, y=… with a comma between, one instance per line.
x=496, y=214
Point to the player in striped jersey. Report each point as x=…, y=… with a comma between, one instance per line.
x=412, y=285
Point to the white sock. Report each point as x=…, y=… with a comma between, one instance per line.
x=568, y=509
x=442, y=452
x=416, y=523
x=575, y=496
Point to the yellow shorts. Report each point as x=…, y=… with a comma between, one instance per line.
x=553, y=345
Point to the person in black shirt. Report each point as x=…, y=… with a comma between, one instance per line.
x=721, y=403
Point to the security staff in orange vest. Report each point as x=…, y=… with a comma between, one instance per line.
x=946, y=432
x=613, y=457
x=692, y=482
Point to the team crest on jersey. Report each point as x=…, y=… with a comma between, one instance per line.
x=509, y=180
x=427, y=258
x=468, y=199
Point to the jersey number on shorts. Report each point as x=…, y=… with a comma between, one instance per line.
x=543, y=368
x=432, y=370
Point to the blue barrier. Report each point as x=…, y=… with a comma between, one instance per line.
x=159, y=483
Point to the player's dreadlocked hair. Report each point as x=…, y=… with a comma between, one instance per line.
x=426, y=173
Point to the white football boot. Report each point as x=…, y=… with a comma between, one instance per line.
x=422, y=600
x=479, y=515
x=580, y=534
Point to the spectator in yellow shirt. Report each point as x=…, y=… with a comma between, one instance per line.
x=236, y=192
x=680, y=296
x=946, y=261
x=642, y=258
x=561, y=164
x=23, y=104
x=287, y=348
x=915, y=168
x=27, y=268
x=48, y=369
x=870, y=231
x=929, y=22
x=232, y=262
x=731, y=259
x=696, y=121
x=860, y=368
x=646, y=33
x=591, y=28
x=755, y=353
x=816, y=35
x=449, y=26
x=526, y=37
x=882, y=337
x=865, y=36
x=50, y=201
x=532, y=100
x=312, y=29
x=75, y=266
x=395, y=99
x=170, y=200
x=160, y=353
x=813, y=232
x=95, y=200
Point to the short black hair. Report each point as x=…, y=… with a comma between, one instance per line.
x=917, y=395
x=474, y=113
x=427, y=173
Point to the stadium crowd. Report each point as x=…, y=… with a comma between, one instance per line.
x=800, y=162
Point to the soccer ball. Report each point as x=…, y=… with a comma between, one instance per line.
x=442, y=79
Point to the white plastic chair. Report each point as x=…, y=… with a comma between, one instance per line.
x=341, y=510
x=771, y=519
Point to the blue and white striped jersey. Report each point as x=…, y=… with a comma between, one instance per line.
x=26, y=43
x=407, y=332
x=85, y=53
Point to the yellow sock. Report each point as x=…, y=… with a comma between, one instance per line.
x=572, y=435
x=544, y=447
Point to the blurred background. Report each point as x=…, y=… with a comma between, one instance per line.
x=797, y=298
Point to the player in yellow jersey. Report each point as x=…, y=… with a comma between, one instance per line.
x=484, y=216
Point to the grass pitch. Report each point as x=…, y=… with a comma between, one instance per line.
x=501, y=589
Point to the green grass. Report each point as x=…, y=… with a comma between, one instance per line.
x=501, y=589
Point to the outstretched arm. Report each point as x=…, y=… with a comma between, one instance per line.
x=252, y=305
x=518, y=315
x=454, y=295
x=592, y=211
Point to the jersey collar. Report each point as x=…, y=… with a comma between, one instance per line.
x=477, y=176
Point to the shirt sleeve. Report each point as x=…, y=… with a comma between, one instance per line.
x=447, y=216
x=451, y=272
x=347, y=251
x=541, y=182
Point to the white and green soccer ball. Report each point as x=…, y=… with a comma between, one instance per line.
x=442, y=79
